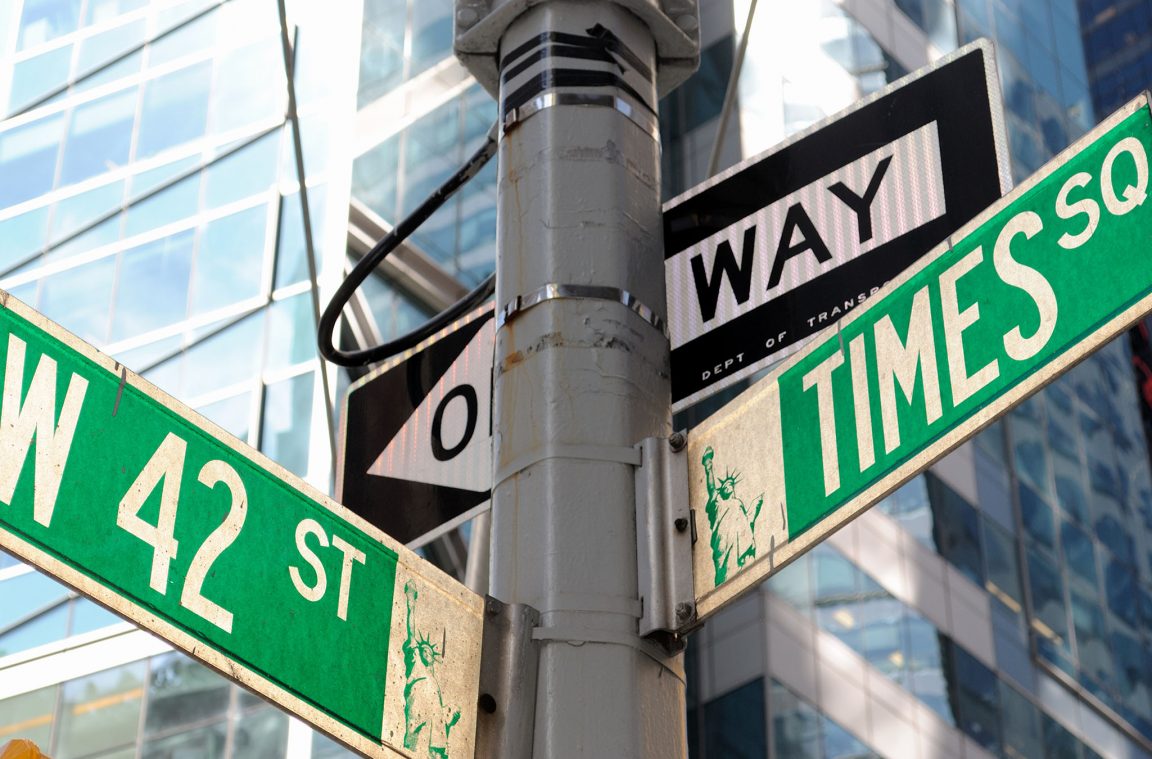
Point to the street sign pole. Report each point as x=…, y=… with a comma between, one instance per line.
x=581, y=364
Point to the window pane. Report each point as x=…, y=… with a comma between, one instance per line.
x=977, y=698
x=171, y=204
x=182, y=691
x=230, y=262
x=79, y=211
x=248, y=86
x=232, y=357
x=44, y=20
x=22, y=236
x=29, y=715
x=734, y=723
x=88, y=616
x=292, y=261
x=28, y=159
x=175, y=109
x=249, y=171
x=1048, y=611
x=287, y=423
x=431, y=33
x=956, y=530
x=795, y=726
x=35, y=77
x=153, y=286
x=291, y=332
x=97, y=51
x=261, y=735
x=1021, y=724
x=80, y=299
x=197, y=36
x=202, y=743
x=233, y=414
x=45, y=628
x=101, y=711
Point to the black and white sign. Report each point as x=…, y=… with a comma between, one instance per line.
x=417, y=433
x=771, y=251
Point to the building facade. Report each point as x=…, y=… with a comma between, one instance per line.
x=997, y=605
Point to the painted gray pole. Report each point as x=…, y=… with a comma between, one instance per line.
x=581, y=367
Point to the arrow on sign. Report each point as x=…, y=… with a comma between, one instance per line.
x=1024, y=291
x=448, y=439
x=417, y=434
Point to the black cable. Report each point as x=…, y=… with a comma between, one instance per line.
x=381, y=249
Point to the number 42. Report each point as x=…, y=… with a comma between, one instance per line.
x=167, y=464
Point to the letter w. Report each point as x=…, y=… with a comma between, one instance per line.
x=19, y=422
x=740, y=276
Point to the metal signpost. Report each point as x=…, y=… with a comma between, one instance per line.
x=1021, y=293
x=776, y=248
x=417, y=432
x=127, y=495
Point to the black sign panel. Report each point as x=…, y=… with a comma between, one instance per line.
x=416, y=457
x=773, y=250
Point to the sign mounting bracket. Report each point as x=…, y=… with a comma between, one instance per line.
x=509, y=658
x=665, y=533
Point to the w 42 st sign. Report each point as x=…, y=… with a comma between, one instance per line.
x=1016, y=297
x=134, y=500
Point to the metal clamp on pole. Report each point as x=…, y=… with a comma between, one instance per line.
x=665, y=532
x=508, y=663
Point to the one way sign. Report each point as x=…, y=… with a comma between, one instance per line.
x=417, y=434
x=766, y=254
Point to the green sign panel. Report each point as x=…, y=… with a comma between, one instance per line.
x=1024, y=291
x=125, y=494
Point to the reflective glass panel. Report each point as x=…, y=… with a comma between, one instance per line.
x=29, y=715
x=152, y=290
x=248, y=171
x=28, y=159
x=44, y=20
x=168, y=205
x=23, y=236
x=292, y=261
x=88, y=616
x=287, y=423
x=101, y=711
x=795, y=726
x=431, y=33
x=291, y=332
x=230, y=260
x=47, y=627
x=232, y=356
x=27, y=593
x=175, y=109
x=262, y=734
x=249, y=86
x=233, y=414
x=734, y=723
x=79, y=211
x=202, y=743
x=80, y=298
x=35, y=77
x=99, y=11
x=182, y=691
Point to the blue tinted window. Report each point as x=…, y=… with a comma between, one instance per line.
x=152, y=291
x=374, y=178
x=1120, y=588
x=26, y=594
x=1022, y=731
x=1047, y=598
x=79, y=211
x=287, y=421
x=105, y=10
x=44, y=20
x=175, y=109
x=173, y=203
x=956, y=530
x=35, y=77
x=1091, y=638
x=44, y=628
x=23, y=236
x=1079, y=554
x=230, y=262
x=99, y=136
x=249, y=171
x=291, y=260
x=233, y=414
x=1037, y=518
x=228, y=358
x=28, y=159
x=431, y=33
x=977, y=694
x=88, y=616
x=734, y=723
x=381, y=49
x=79, y=299
x=291, y=332
x=795, y=726
x=196, y=36
x=248, y=86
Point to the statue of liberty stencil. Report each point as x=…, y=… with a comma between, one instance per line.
x=428, y=721
x=733, y=524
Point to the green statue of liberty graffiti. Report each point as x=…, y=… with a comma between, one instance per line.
x=428, y=721
x=733, y=524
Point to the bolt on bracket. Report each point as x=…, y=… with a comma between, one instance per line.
x=665, y=533
x=509, y=658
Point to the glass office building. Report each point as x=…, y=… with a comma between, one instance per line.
x=998, y=605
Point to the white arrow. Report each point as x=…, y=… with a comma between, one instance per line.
x=446, y=441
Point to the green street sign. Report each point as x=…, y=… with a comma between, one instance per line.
x=1017, y=296
x=130, y=497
